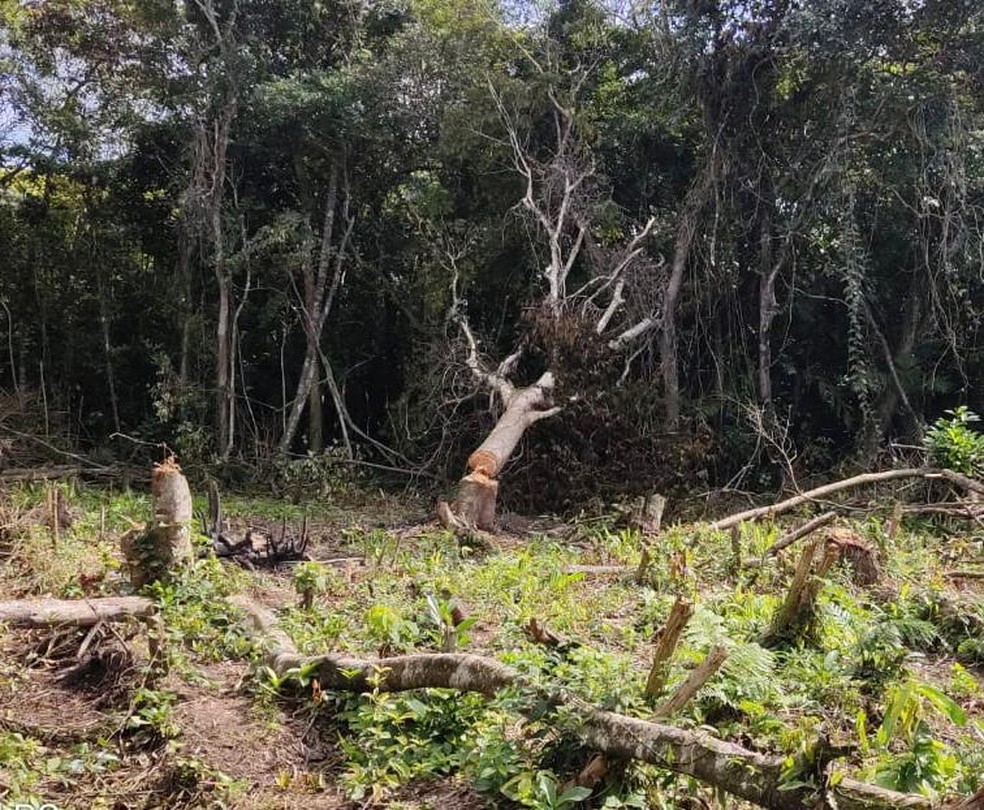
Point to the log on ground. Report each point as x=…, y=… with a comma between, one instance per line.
x=747, y=774
x=36, y=613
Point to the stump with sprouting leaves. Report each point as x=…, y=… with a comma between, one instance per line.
x=164, y=544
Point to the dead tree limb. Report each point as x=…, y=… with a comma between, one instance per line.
x=749, y=775
x=687, y=690
x=669, y=638
x=807, y=528
x=36, y=613
x=813, y=495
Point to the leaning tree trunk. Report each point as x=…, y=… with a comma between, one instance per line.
x=475, y=505
x=152, y=554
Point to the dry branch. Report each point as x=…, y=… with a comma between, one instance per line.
x=791, y=537
x=700, y=675
x=35, y=613
x=813, y=495
x=669, y=638
x=749, y=775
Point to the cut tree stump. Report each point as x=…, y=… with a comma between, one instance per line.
x=165, y=544
x=747, y=774
x=474, y=506
x=669, y=638
x=796, y=615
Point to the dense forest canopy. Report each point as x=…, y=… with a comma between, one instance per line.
x=733, y=231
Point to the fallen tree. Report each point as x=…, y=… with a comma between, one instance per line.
x=614, y=307
x=746, y=774
x=817, y=494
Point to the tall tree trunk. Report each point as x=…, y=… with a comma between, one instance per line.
x=223, y=332
x=304, y=383
x=686, y=231
x=222, y=358
x=108, y=354
x=321, y=285
x=768, y=307
x=669, y=363
x=315, y=414
x=912, y=319
x=186, y=312
x=315, y=434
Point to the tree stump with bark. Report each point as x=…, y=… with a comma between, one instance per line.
x=165, y=543
x=474, y=507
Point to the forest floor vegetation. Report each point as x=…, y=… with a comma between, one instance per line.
x=887, y=674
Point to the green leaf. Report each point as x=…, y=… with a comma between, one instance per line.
x=944, y=704
x=573, y=795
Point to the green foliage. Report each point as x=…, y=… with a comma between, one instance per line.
x=150, y=718
x=20, y=757
x=389, y=629
x=312, y=477
x=449, y=634
x=953, y=443
x=196, y=617
x=395, y=738
x=542, y=791
x=310, y=580
x=925, y=765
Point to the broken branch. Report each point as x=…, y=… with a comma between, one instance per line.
x=669, y=638
x=848, y=483
x=687, y=690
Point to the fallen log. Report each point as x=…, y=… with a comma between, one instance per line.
x=40, y=473
x=747, y=774
x=36, y=613
x=597, y=569
x=816, y=494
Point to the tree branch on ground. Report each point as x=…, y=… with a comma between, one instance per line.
x=746, y=774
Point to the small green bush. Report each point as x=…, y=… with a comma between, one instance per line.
x=953, y=443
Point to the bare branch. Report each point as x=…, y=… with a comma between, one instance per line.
x=632, y=333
